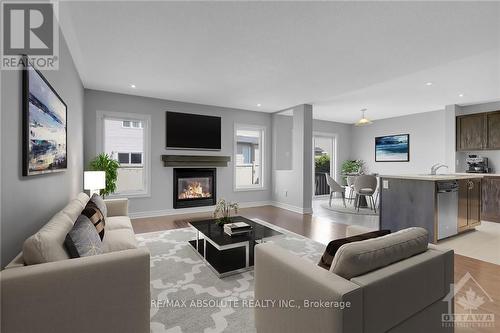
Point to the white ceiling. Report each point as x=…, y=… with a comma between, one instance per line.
x=338, y=56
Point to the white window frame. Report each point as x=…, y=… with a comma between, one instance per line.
x=146, y=155
x=129, y=153
x=131, y=124
x=263, y=163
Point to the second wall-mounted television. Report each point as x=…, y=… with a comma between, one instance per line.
x=192, y=131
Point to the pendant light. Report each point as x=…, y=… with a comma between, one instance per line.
x=363, y=121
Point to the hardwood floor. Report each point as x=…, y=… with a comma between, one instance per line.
x=321, y=229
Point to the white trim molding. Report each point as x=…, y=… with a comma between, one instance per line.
x=295, y=209
x=262, y=152
x=146, y=155
x=172, y=211
x=250, y=204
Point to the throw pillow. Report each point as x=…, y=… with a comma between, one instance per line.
x=83, y=240
x=330, y=251
x=96, y=216
x=99, y=202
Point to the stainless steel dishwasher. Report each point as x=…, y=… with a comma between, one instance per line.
x=447, y=208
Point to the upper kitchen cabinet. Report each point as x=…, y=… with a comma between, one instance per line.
x=471, y=132
x=479, y=131
x=493, y=128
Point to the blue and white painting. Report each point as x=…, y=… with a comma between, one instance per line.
x=46, y=127
x=392, y=148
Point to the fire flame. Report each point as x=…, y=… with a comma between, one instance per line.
x=194, y=190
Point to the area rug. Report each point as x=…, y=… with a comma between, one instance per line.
x=338, y=206
x=186, y=296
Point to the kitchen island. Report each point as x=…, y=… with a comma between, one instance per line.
x=445, y=204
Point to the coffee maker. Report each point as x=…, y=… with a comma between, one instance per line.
x=477, y=164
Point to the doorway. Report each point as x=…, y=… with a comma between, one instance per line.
x=323, y=162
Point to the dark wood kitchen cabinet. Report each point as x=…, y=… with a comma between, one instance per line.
x=469, y=204
x=471, y=132
x=493, y=130
x=479, y=131
x=490, y=209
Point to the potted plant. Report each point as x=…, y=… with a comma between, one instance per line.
x=352, y=166
x=222, y=212
x=104, y=162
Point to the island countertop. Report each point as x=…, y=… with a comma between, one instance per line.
x=438, y=177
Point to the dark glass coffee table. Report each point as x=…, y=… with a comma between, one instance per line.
x=224, y=254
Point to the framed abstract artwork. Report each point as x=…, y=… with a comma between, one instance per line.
x=44, y=125
x=392, y=148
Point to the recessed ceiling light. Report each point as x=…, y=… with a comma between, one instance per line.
x=132, y=86
x=460, y=95
x=259, y=105
x=428, y=83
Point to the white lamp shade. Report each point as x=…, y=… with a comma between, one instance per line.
x=94, y=180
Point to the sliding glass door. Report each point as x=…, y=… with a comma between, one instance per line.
x=323, y=151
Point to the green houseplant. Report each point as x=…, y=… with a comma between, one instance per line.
x=104, y=162
x=352, y=166
x=222, y=212
x=322, y=163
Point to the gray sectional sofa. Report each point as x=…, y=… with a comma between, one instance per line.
x=43, y=290
x=392, y=284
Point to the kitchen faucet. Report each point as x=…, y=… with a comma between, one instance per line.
x=436, y=167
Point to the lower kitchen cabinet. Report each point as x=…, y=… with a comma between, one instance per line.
x=469, y=204
x=490, y=210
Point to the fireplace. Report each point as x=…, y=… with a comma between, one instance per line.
x=194, y=187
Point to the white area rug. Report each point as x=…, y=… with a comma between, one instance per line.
x=338, y=206
x=198, y=300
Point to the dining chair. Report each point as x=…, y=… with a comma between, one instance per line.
x=365, y=186
x=335, y=188
x=350, y=185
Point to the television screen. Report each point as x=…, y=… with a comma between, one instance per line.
x=192, y=131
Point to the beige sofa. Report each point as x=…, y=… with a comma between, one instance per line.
x=42, y=290
x=405, y=296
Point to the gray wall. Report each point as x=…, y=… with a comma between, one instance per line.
x=432, y=140
x=342, y=133
x=29, y=202
x=293, y=188
x=427, y=142
x=161, y=191
x=283, y=142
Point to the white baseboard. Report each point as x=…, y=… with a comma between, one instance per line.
x=295, y=209
x=171, y=211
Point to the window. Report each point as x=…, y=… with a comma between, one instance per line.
x=126, y=138
x=128, y=158
x=135, y=158
x=132, y=124
x=249, y=157
x=123, y=158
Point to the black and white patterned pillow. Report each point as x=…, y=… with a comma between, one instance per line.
x=99, y=202
x=83, y=239
x=96, y=214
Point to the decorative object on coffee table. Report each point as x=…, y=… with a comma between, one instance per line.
x=222, y=212
x=237, y=228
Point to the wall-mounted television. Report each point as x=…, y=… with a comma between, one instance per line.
x=192, y=131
